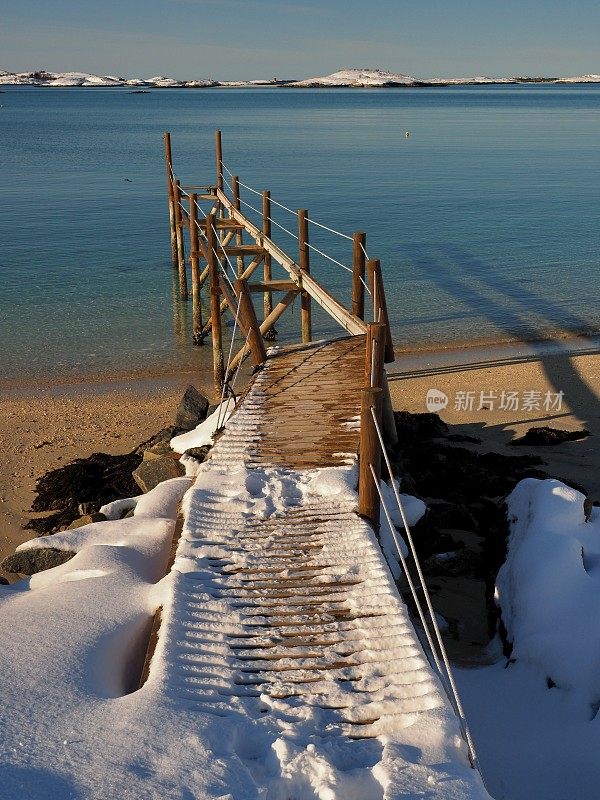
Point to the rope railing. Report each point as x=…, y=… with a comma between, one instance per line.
x=290, y=210
x=446, y=674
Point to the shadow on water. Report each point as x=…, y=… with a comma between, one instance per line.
x=508, y=305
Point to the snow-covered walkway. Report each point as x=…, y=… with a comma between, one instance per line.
x=286, y=668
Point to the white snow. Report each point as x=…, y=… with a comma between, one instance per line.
x=203, y=434
x=358, y=77
x=255, y=691
x=535, y=720
x=581, y=79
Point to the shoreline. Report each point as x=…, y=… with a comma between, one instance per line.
x=509, y=348
x=46, y=424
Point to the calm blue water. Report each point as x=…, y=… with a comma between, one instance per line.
x=486, y=219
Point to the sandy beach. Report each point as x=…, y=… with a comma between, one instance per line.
x=46, y=427
x=552, y=385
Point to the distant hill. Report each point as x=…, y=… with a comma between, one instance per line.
x=354, y=78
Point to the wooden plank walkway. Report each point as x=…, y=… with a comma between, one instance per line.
x=286, y=604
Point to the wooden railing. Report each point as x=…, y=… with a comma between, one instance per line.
x=216, y=240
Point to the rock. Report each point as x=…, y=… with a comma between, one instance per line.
x=164, y=435
x=150, y=473
x=419, y=426
x=28, y=562
x=85, y=483
x=546, y=437
x=452, y=515
x=86, y=519
x=192, y=409
x=458, y=562
x=3, y=581
x=161, y=449
x=199, y=453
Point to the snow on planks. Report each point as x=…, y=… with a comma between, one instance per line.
x=284, y=619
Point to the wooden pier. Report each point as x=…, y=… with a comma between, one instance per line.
x=286, y=595
x=226, y=248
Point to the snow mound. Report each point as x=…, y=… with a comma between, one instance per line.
x=358, y=77
x=549, y=586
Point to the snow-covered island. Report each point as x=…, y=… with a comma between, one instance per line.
x=353, y=78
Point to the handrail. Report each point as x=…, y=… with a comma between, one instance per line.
x=303, y=280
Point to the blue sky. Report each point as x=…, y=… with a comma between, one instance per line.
x=264, y=38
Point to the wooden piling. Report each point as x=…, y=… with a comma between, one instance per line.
x=219, y=159
x=169, y=166
x=215, y=303
x=358, y=274
x=304, y=263
x=183, y=291
x=380, y=305
x=267, y=274
x=369, y=454
x=239, y=239
x=195, y=262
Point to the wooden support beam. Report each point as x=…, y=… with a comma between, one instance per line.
x=267, y=276
x=272, y=286
x=169, y=166
x=245, y=249
x=358, y=274
x=246, y=274
x=183, y=292
x=249, y=323
x=215, y=311
x=226, y=224
x=195, y=263
x=268, y=323
x=304, y=261
x=379, y=305
x=369, y=454
x=334, y=308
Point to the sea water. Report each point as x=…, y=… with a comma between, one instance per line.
x=485, y=217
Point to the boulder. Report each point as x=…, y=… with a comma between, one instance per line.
x=28, y=562
x=199, y=453
x=419, y=426
x=86, y=519
x=161, y=449
x=192, y=409
x=546, y=437
x=150, y=473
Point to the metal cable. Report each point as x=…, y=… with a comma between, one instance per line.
x=454, y=696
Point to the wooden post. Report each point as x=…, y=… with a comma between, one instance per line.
x=219, y=158
x=380, y=305
x=169, y=165
x=195, y=262
x=249, y=323
x=268, y=323
x=183, y=292
x=374, y=355
x=305, y=310
x=215, y=302
x=267, y=274
x=239, y=239
x=358, y=275
x=370, y=453
x=375, y=377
